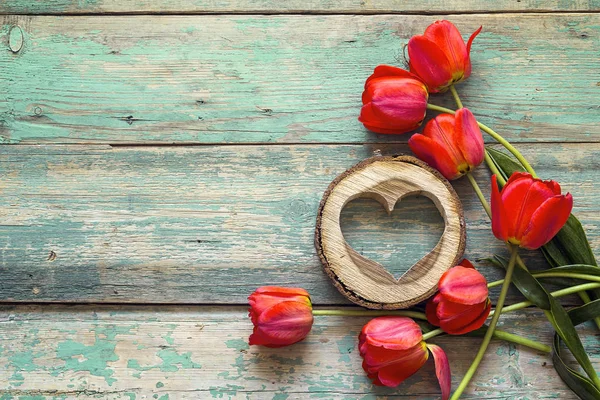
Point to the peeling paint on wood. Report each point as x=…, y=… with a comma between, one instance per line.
x=121, y=352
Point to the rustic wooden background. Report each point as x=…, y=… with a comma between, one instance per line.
x=161, y=160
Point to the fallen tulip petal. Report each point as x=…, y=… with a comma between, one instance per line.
x=442, y=369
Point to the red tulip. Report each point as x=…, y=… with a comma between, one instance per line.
x=440, y=57
x=462, y=303
x=528, y=212
x=394, y=101
x=393, y=349
x=452, y=144
x=281, y=316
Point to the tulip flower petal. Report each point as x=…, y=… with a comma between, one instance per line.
x=378, y=124
x=442, y=369
x=282, y=324
x=431, y=310
x=266, y=296
x=429, y=62
x=434, y=154
x=384, y=71
x=447, y=37
x=396, y=333
x=458, y=319
x=516, y=176
x=468, y=137
x=546, y=221
x=378, y=357
x=499, y=223
x=282, y=291
x=404, y=364
x=537, y=194
x=393, y=105
x=385, y=98
x=468, y=60
x=466, y=263
x=463, y=285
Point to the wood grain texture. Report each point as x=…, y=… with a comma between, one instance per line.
x=293, y=79
x=210, y=224
x=112, y=352
x=290, y=6
x=388, y=180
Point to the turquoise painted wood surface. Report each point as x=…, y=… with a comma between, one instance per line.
x=292, y=79
x=97, y=206
x=210, y=224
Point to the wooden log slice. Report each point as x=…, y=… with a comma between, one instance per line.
x=388, y=180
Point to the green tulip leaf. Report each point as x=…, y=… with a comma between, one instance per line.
x=585, y=312
x=577, y=269
x=497, y=261
x=581, y=385
x=578, y=383
x=556, y=314
x=527, y=285
x=506, y=165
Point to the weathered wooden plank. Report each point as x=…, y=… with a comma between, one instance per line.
x=290, y=6
x=202, y=352
x=210, y=224
x=294, y=79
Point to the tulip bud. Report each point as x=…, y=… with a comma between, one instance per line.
x=394, y=101
x=528, y=212
x=452, y=144
x=393, y=349
x=440, y=57
x=462, y=303
x=281, y=316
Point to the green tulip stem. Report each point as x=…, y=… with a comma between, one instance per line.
x=490, y=331
x=550, y=274
x=558, y=293
x=494, y=169
x=433, y=333
x=370, y=313
x=495, y=136
x=455, y=95
x=502, y=335
x=433, y=107
x=479, y=193
x=510, y=337
x=586, y=277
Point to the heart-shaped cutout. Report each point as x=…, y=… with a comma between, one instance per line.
x=387, y=180
x=396, y=240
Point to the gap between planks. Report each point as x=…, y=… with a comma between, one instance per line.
x=273, y=144
x=298, y=13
